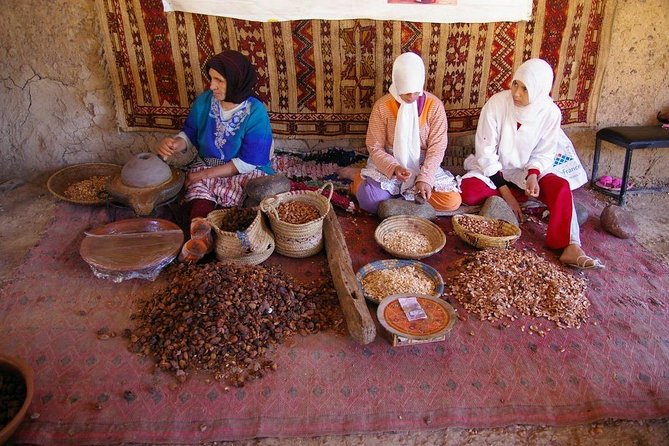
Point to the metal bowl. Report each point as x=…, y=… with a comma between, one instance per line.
x=430, y=272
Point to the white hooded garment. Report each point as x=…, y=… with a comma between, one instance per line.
x=408, y=77
x=502, y=145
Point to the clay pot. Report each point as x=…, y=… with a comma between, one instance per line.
x=21, y=368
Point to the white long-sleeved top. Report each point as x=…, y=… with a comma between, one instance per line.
x=501, y=146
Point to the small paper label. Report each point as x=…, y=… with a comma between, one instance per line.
x=412, y=308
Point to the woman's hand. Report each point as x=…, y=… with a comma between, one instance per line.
x=221, y=171
x=532, y=186
x=424, y=190
x=505, y=192
x=170, y=146
x=194, y=177
x=402, y=173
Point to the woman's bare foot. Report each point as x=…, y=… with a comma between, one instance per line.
x=573, y=255
x=350, y=173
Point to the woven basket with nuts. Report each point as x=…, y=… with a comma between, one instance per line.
x=409, y=237
x=484, y=232
x=297, y=218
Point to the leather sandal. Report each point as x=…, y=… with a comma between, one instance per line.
x=586, y=262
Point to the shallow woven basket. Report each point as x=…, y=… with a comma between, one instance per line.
x=252, y=246
x=298, y=240
x=67, y=176
x=409, y=223
x=512, y=233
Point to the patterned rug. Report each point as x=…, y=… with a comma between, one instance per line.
x=310, y=171
x=320, y=78
x=90, y=390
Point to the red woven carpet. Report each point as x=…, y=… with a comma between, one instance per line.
x=319, y=78
x=615, y=366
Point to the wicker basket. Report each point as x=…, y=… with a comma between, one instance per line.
x=251, y=246
x=512, y=233
x=409, y=223
x=67, y=176
x=298, y=240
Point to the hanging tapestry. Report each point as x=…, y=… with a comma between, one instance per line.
x=320, y=78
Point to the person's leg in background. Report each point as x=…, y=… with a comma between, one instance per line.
x=475, y=192
x=445, y=201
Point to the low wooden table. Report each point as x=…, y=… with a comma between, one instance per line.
x=631, y=139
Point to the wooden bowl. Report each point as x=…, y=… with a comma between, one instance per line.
x=440, y=317
x=136, y=245
x=410, y=224
x=20, y=368
x=64, y=178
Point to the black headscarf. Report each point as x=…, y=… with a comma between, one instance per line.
x=239, y=73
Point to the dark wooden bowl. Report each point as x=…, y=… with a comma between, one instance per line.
x=17, y=366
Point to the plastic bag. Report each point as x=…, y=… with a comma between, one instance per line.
x=567, y=164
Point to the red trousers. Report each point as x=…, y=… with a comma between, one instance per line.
x=201, y=207
x=555, y=193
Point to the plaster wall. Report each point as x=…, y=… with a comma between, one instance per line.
x=56, y=104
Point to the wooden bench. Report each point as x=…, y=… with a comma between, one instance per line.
x=631, y=139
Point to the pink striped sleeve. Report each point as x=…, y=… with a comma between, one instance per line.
x=380, y=134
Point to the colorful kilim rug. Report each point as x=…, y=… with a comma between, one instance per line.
x=90, y=390
x=320, y=78
x=311, y=171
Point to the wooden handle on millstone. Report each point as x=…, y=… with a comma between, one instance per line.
x=358, y=319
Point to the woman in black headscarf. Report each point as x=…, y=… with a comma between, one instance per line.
x=231, y=131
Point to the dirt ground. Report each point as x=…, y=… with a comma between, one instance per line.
x=26, y=208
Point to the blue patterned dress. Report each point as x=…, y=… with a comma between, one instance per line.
x=243, y=134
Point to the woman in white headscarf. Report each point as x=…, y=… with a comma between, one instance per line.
x=406, y=140
x=516, y=142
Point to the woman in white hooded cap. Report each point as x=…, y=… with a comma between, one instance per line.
x=516, y=142
x=406, y=140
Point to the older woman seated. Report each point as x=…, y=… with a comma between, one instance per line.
x=229, y=128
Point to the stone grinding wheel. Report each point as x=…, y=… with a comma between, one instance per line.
x=144, y=182
x=145, y=170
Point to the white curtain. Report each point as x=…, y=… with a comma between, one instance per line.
x=441, y=11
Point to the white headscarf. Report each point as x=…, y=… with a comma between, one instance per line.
x=537, y=76
x=408, y=77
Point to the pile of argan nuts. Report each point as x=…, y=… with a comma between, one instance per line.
x=87, y=189
x=491, y=228
x=223, y=318
x=297, y=212
x=238, y=219
x=496, y=283
x=407, y=241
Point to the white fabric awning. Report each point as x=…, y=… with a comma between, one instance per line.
x=441, y=11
